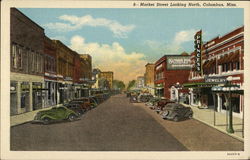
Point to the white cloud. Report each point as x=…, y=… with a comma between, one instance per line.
x=126, y=66
x=74, y=23
x=184, y=36
x=175, y=46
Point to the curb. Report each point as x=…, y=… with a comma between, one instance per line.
x=217, y=128
x=221, y=130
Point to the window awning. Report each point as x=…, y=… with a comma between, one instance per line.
x=200, y=85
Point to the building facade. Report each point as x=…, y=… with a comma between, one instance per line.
x=140, y=82
x=149, y=77
x=65, y=71
x=170, y=71
x=27, y=63
x=222, y=57
x=50, y=76
x=109, y=76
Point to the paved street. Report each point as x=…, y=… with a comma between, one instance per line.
x=117, y=125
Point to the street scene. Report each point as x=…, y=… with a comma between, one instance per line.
x=118, y=125
x=111, y=80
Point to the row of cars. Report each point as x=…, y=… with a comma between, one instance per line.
x=166, y=108
x=70, y=111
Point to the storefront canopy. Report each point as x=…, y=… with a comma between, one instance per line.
x=200, y=85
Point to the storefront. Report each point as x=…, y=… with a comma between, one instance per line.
x=159, y=90
x=201, y=94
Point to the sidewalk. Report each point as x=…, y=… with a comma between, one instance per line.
x=207, y=116
x=25, y=117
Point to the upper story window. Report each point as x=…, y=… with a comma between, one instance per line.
x=14, y=56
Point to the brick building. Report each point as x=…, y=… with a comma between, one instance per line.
x=149, y=77
x=222, y=57
x=65, y=70
x=27, y=63
x=109, y=76
x=171, y=70
x=50, y=76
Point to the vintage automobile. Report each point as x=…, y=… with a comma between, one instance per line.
x=82, y=103
x=55, y=114
x=133, y=99
x=162, y=103
x=144, y=97
x=176, y=112
x=76, y=107
x=153, y=101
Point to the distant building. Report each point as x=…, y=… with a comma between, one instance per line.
x=149, y=77
x=140, y=82
x=96, y=77
x=170, y=72
x=109, y=76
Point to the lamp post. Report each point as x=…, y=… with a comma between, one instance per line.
x=177, y=87
x=230, y=125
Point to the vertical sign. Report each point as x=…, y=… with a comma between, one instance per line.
x=198, y=46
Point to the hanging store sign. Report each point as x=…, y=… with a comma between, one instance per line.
x=179, y=63
x=215, y=79
x=198, y=47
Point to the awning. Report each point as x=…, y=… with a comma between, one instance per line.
x=199, y=85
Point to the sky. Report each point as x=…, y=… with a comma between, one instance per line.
x=124, y=40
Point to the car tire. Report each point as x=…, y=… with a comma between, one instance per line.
x=72, y=117
x=46, y=120
x=176, y=119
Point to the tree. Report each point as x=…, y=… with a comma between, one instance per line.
x=117, y=84
x=131, y=84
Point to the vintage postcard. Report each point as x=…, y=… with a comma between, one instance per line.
x=124, y=79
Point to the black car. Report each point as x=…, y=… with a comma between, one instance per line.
x=176, y=112
x=144, y=97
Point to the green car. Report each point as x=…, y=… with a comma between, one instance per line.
x=55, y=114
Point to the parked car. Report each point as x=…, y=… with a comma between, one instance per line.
x=176, y=112
x=153, y=101
x=133, y=99
x=56, y=114
x=85, y=103
x=76, y=107
x=144, y=97
x=162, y=103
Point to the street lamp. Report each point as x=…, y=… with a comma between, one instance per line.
x=230, y=125
x=178, y=86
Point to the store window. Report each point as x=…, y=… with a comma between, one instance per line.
x=37, y=95
x=14, y=56
x=13, y=98
x=25, y=95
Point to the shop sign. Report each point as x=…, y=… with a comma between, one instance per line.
x=198, y=47
x=25, y=86
x=179, y=62
x=215, y=79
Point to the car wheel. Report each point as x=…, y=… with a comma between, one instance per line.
x=72, y=117
x=46, y=120
x=176, y=119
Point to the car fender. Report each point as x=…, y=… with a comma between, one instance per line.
x=47, y=116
